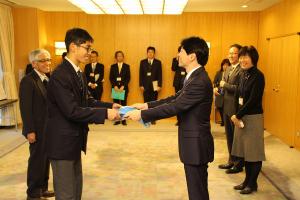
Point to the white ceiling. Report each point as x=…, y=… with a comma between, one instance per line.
x=192, y=5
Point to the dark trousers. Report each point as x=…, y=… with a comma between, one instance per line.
x=67, y=179
x=38, y=169
x=252, y=171
x=196, y=179
x=150, y=95
x=97, y=92
x=229, y=130
x=220, y=109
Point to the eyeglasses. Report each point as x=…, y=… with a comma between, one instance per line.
x=88, y=48
x=44, y=60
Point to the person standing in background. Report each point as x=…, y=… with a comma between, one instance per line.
x=94, y=73
x=229, y=85
x=150, y=76
x=248, y=141
x=219, y=94
x=179, y=75
x=119, y=77
x=33, y=108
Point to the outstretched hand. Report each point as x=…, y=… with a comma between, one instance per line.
x=140, y=106
x=134, y=115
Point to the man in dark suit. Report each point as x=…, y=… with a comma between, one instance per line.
x=33, y=107
x=71, y=108
x=180, y=74
x=119, y=77
x=192, y=105
x=94, y=73
x=229, y=84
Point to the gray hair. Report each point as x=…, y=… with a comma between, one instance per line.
x=33, y=56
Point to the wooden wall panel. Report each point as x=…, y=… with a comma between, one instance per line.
x=133, y=34
x=282, y=18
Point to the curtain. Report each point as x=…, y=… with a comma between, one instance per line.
x=7, y=52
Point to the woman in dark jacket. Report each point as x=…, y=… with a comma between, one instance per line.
x=219, y=95
x=248, y=141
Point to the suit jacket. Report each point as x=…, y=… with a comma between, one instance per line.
x=230, y=105
x=90, y=74
x=192, y=105
x=124, y=75
x=156, y=74
x=33, y=106
x=219, y=100
x=180, y=74
x=70, y=109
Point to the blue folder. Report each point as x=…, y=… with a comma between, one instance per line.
x=124, y=109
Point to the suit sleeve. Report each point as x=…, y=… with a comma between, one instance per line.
x=127, y=75
x=112, y=77
x=101, y=74
x=174, y=65
x=61, y=90
x=159, y=75
x=26, y=107
x=194, y=94
x=141, y=74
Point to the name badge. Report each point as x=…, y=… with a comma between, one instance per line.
x=182, y=73
x=119, y=78
x=148, y=73
x=92, y=74
x=241, y=101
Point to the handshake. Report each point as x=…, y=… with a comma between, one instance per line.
x=132, y=112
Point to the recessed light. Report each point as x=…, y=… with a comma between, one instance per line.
x=244, y=6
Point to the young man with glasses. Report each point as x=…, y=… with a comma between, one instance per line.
x=71, y=108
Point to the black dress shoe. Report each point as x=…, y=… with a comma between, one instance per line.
x=117, y=123
x=234, y=170
x=248, y=190
x=153, y=123
x=240, y=186
x=48, y=193
x=124, y=123
x=226, y=166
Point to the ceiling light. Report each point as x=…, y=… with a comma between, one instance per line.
x=109, y=6
x=131, y=6
x=244, y=6
x=87, y=6
x=174, y=6
x=152, y=6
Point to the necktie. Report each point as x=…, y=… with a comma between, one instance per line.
x=80, y=80
x=45, y=82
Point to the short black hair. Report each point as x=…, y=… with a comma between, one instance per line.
x=77, y=36
x=117, y=52
x=224, y=61
x=179, y=48
x=198, y=46
x=251, y=52
x=63, y=55
x=151, y=48
x=95, y=52
x=236, y=46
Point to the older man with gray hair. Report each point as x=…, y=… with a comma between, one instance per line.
x=33, y=107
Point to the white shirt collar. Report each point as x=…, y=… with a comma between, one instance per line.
x=76, y=68
x=42, y=77
x=190, y=73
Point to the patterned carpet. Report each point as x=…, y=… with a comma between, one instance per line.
x=135, y=163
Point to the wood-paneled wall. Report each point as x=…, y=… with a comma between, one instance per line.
x=279, y=60
x=133, y=34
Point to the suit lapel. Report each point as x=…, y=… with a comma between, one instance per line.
x=40, y=84
x=193, y=76
x=73, y=75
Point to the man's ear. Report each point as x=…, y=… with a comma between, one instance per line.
x=72, y=47
x=193, y=56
